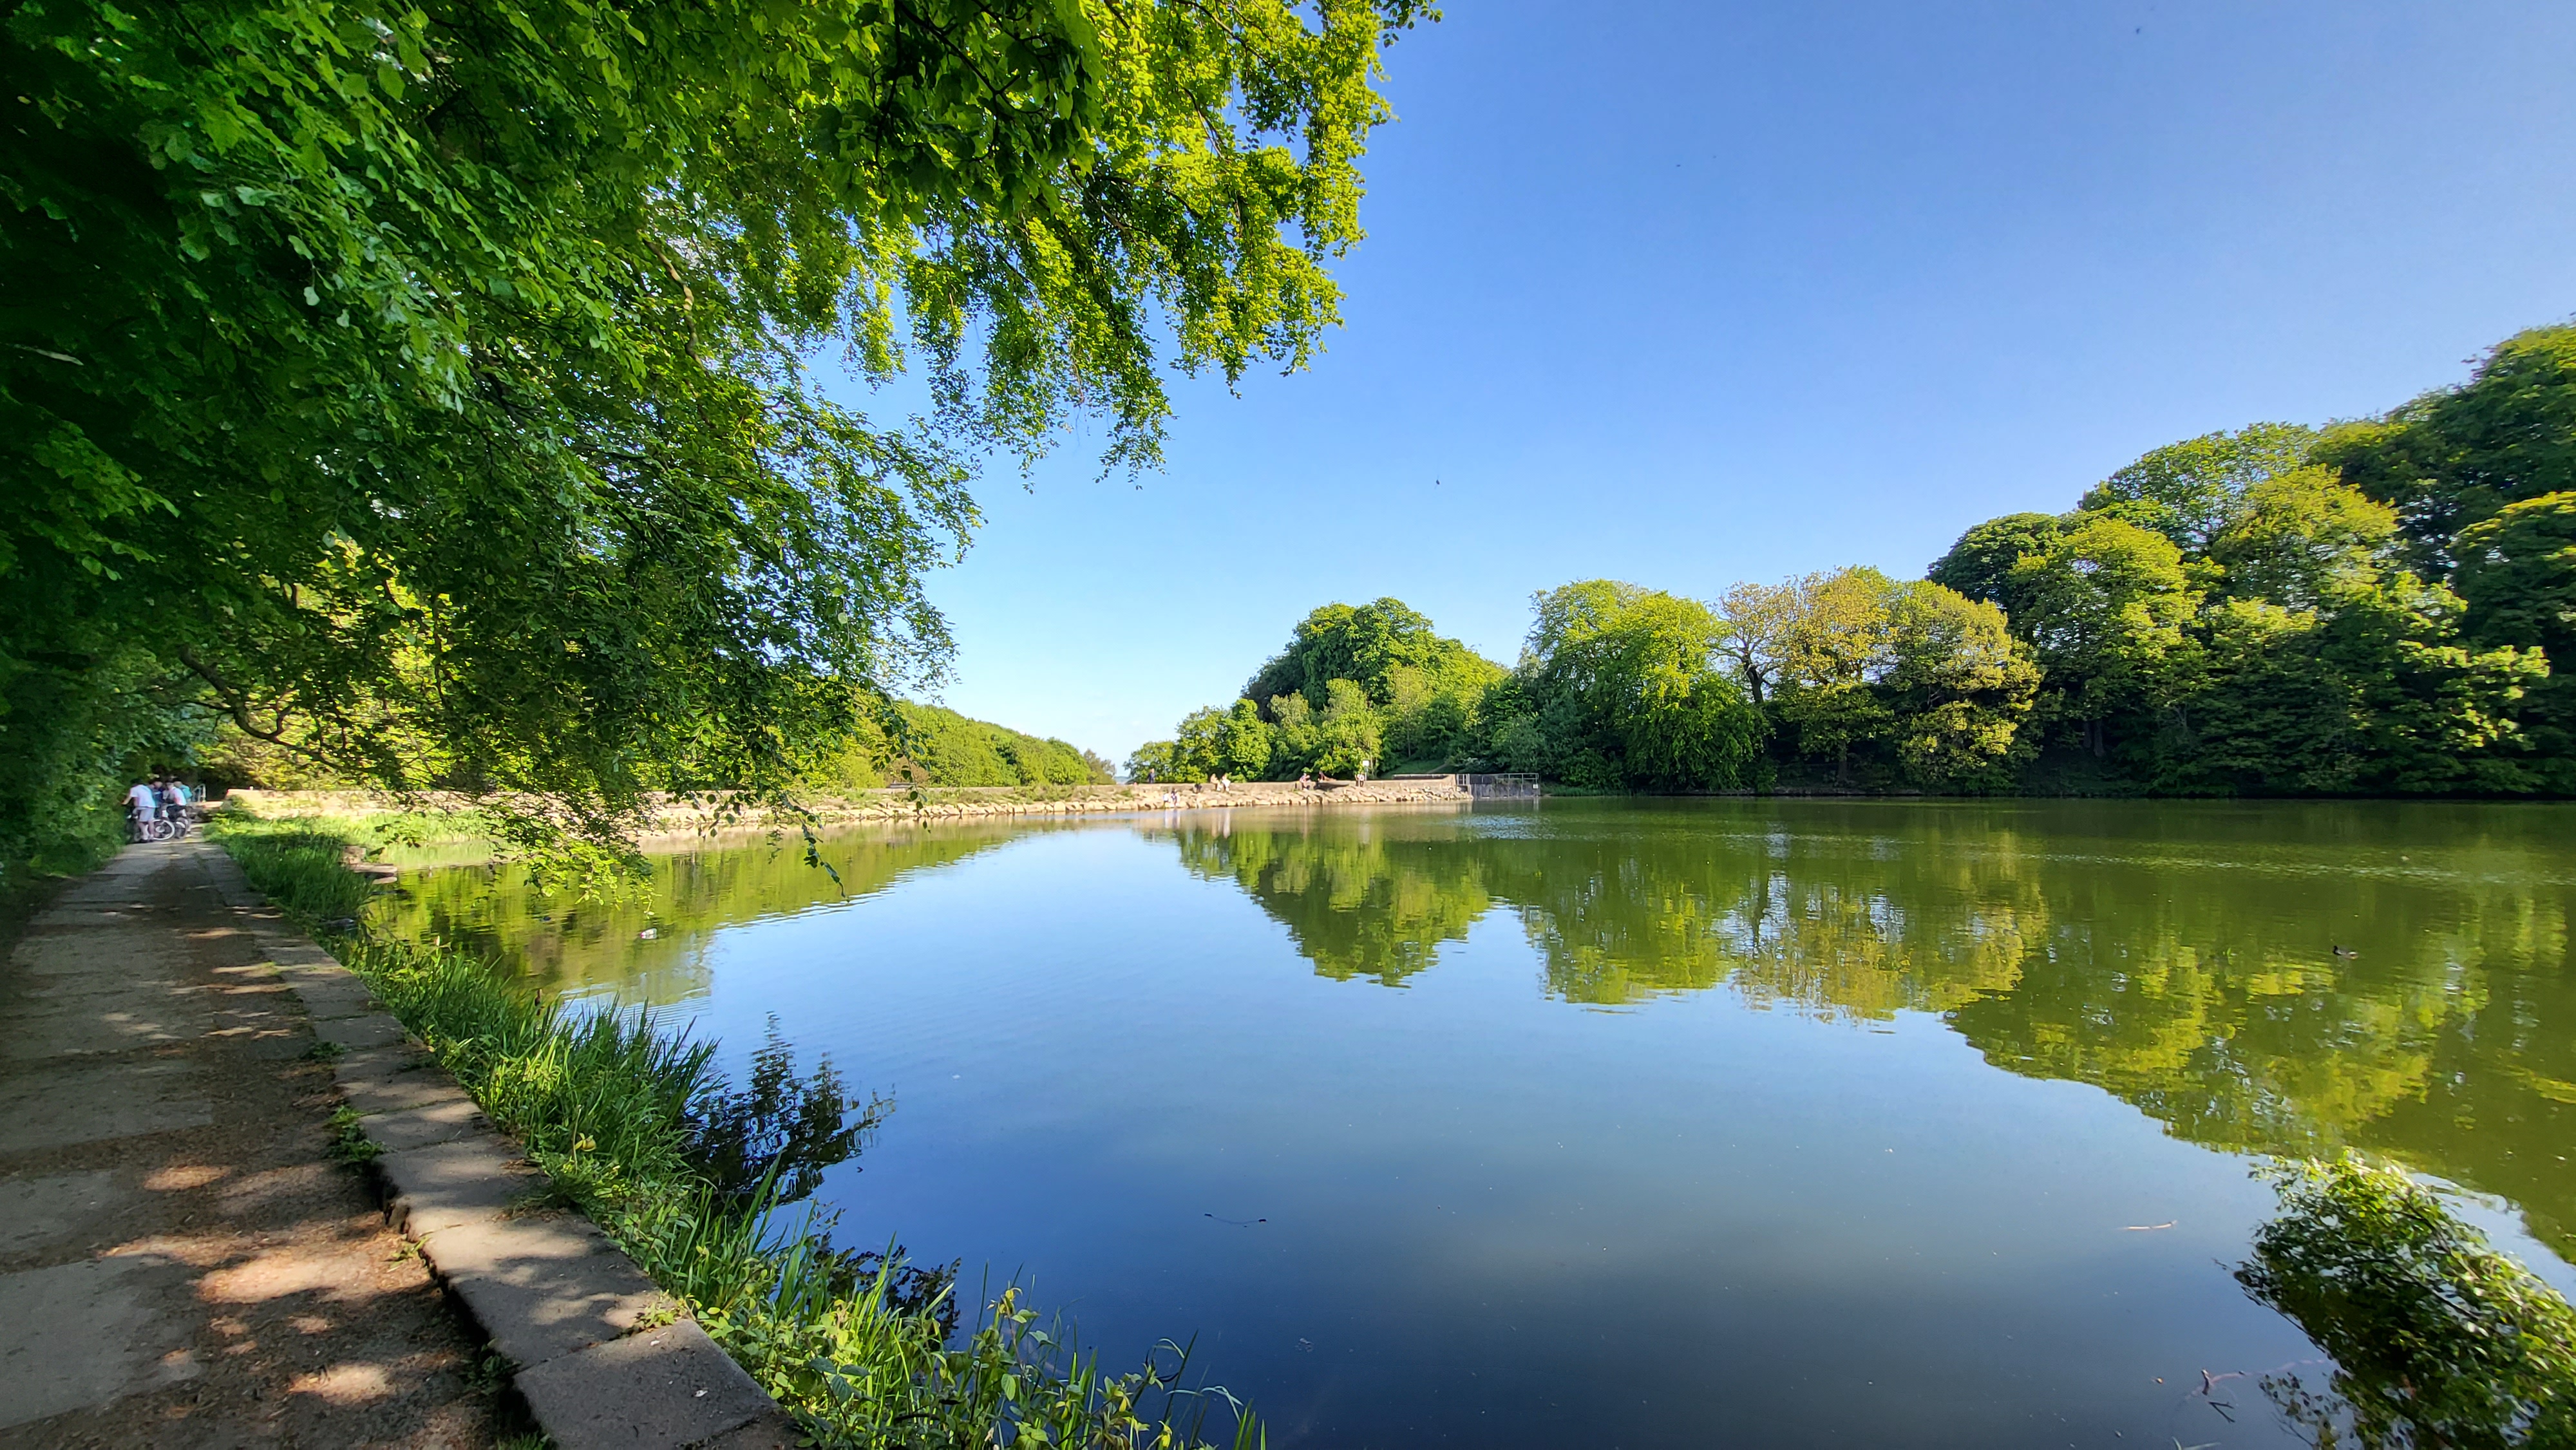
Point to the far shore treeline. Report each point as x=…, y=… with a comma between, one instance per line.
x=2368, y=608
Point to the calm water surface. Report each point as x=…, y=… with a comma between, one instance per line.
x=1645, y=1123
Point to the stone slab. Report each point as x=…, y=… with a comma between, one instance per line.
x=387, y=1065
x=43, y=1027
x=325, y=997
x=405, y=1129
x=372, y=1030
x=542, y=1285
x=56, y=958
x=469, y=1181
x=370, y=1086
x=95, y=1102
x=662, y=1389
x=41, y=1211
x=83, y=1333
x=547, y=1288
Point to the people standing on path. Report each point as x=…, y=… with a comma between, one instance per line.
x=142, y=802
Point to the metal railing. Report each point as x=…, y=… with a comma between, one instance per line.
x=1509, y=785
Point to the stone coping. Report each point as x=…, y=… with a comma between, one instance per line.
x=875, y=807
x=601, y=1356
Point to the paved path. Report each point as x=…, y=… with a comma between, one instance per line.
x=181, y=1261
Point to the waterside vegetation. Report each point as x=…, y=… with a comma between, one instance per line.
x=2436, y=1338
x=700, y=1182
x=2371, y=608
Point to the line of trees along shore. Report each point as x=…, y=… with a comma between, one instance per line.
x=2372, y=607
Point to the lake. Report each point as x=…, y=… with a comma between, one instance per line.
x=1643, y=1123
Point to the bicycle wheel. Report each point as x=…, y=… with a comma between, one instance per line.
x=159, y=830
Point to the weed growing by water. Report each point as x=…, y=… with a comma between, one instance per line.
x=301, y=869
x=696, y=1181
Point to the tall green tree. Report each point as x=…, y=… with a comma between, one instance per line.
x=1958, y=688
x=1832, y=652
x=1905, y=676
x=2190, y=491
x=2517, y=574
x=2457, y=456
x=2375, y=690
x=2293, y=539
x=1620, y=685
x=430, y=386
x=1423, y=686
x=1980, y=565
x=2107, y=609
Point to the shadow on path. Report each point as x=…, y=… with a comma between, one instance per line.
x=181, y=1259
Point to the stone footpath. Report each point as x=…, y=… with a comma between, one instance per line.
x=182, y=1262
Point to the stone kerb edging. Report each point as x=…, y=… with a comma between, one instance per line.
x=602, y=1357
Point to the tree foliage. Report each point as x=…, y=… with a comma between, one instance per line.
x=2376, y=608
x=2457, y=456
x=432, y=387
x=1621, y=686
x=2190, y=491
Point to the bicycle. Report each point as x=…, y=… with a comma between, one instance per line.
x=159, y=829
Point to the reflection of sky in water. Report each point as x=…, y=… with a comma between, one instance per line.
x=1497, y=1217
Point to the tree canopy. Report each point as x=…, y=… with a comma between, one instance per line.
x=435, y=389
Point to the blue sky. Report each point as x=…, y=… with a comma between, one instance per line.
x=1689, y=293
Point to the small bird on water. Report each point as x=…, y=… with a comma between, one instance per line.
x=2346, y=953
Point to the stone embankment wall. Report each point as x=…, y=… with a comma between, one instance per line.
x=938, y=803
x=947, y=803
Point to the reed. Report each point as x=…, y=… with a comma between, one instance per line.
x=298, y=867
x=631, y=1123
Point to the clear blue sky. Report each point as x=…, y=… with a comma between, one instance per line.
x=1690, y=293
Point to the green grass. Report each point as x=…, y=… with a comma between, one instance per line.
x=852, y=1344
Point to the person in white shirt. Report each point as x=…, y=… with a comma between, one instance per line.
x=141, y=804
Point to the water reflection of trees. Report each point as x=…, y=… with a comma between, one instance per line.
x=2177, y=957
x=1835, y=927
x=567, y=944
x=1360, y=897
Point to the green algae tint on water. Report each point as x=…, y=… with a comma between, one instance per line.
x=1651, y=1123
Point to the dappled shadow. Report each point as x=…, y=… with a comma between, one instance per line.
x=236, y=1283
